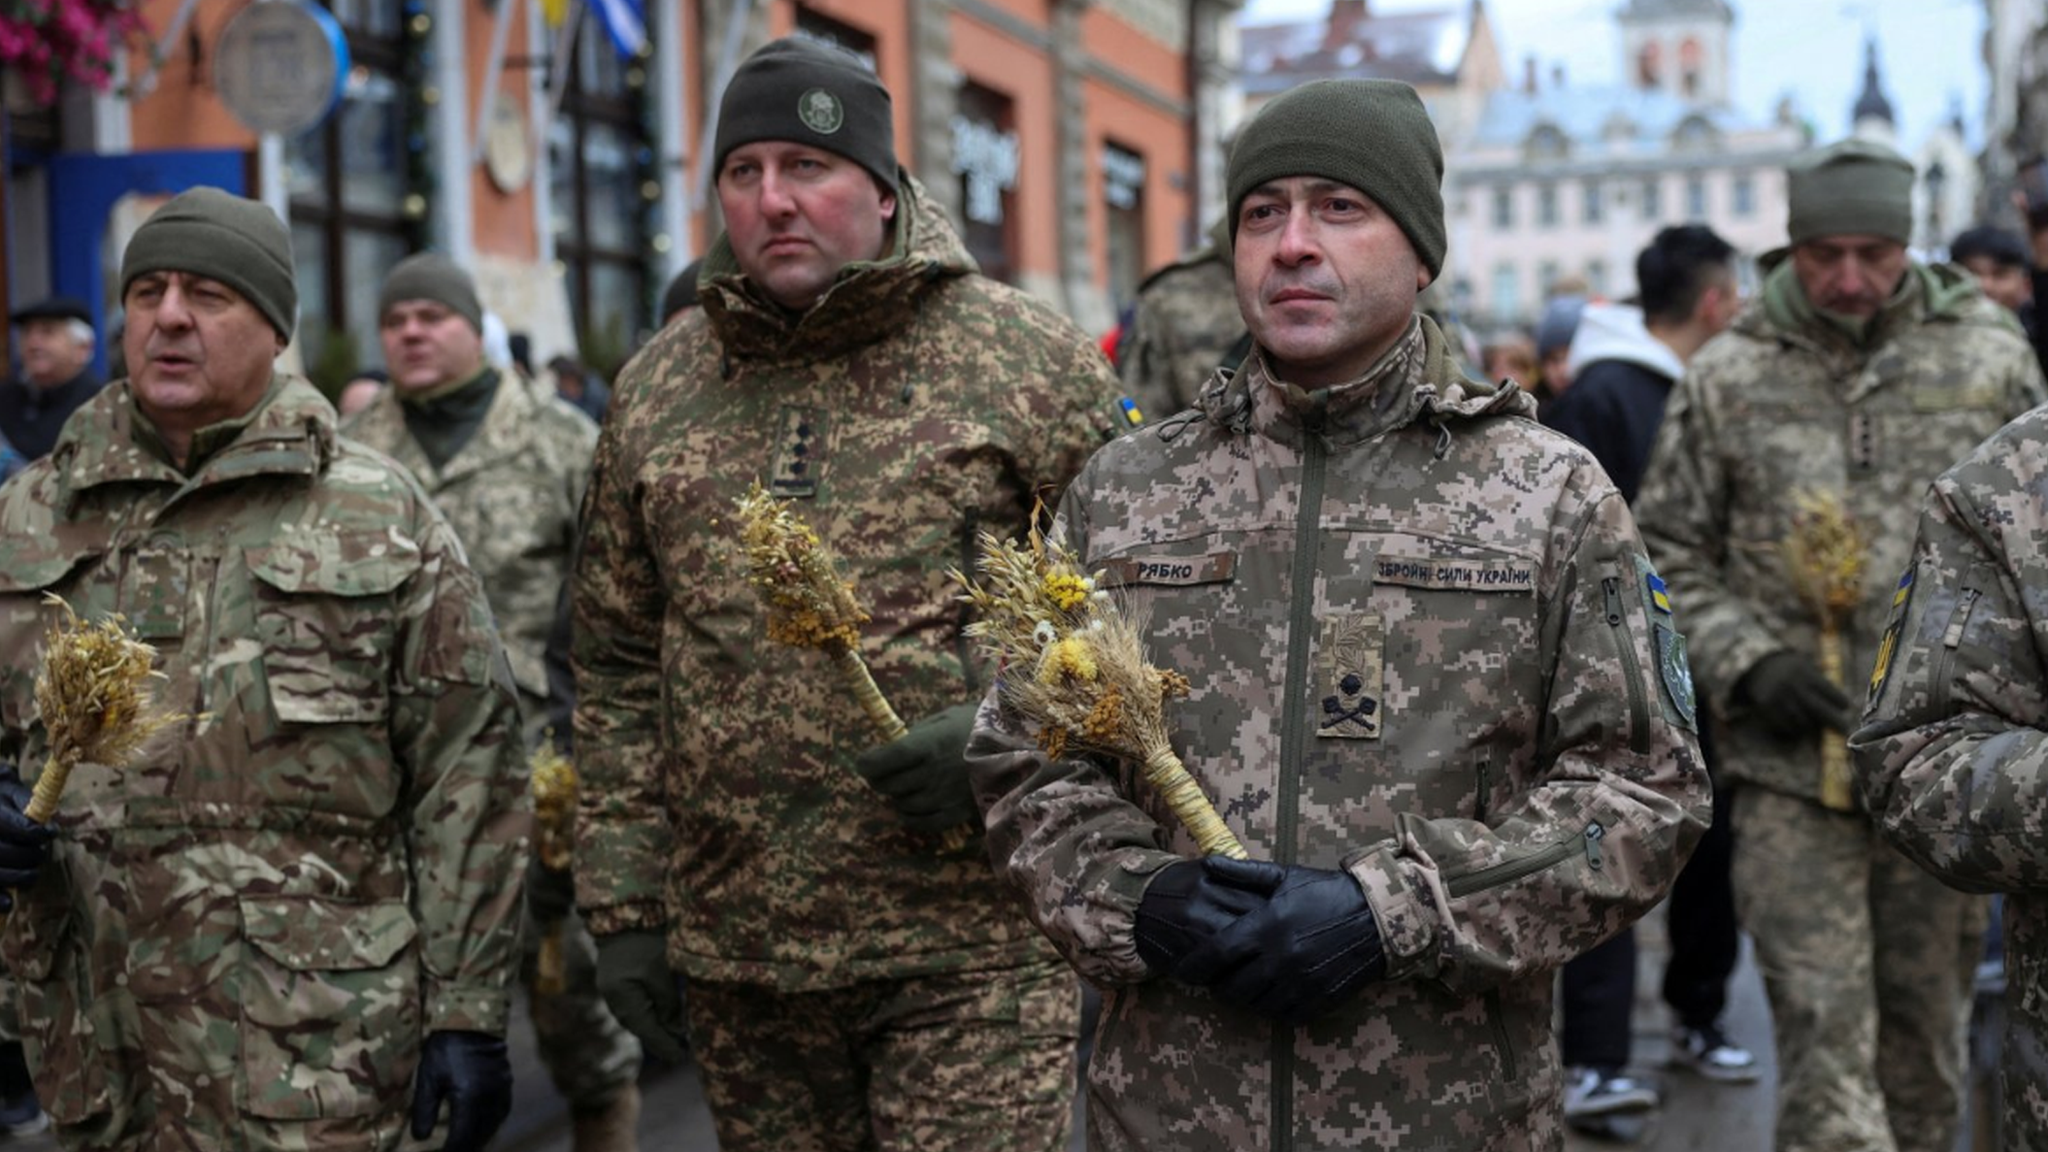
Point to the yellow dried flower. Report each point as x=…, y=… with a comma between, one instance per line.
x=1106, y=719
x=1066, y=590
x=1067, y=659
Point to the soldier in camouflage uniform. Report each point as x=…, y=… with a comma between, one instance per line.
x=1858, y=376
x=506, y=463
x=1437, y=691
x=1186, y=323
x=297, y=910
x=1949, y=757
x=853, y=982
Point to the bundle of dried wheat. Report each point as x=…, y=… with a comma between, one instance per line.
x=92, y=694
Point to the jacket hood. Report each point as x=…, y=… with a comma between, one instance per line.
x=290, y=432
x=1617, y=332
x=1937, y=292
x=868, y=300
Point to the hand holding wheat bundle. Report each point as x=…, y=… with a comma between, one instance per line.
x=554, y=788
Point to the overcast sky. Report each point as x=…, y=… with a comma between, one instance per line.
x=1928, y=51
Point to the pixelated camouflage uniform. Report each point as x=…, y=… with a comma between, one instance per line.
x=1867, y=959
x=913, y=406
x=1186, y=322
x=1950, y=756
x=511, y=494
x=1426, y=649
x=241, y=939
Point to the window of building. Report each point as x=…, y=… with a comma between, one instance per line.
x=1649, y=68
x=601, y=169
x=1595, y=207
x=1507, y=301
x=985, y=157
x=822, y=29
x=1743, y=194
x=1690, y=58
x=1596, y=278
x=1546, y=205
x=1503, y=208
x=1123, y=190
x=1546, y=275
x=360, y=187
x=1695, y=198
x=1653, y=199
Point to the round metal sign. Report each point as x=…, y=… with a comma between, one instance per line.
x=281, y=65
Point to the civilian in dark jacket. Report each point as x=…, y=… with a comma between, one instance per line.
x=1624, y=360
x=54, y=339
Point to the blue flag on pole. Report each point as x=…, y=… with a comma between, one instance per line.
x=625, y=21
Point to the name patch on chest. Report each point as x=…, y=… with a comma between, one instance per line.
x=1215, y=568
x=1456, y=574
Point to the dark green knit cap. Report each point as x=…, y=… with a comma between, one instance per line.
x=1373, y=135
x=1853, y=187
x=237, y=241
x=813, y=94
x=432, y=276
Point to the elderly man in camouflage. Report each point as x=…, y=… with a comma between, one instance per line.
x=1849, y=385
x=1438, y=692
x=854, y=982
x=1950, y=758
x=506, y=463
x=282, y=922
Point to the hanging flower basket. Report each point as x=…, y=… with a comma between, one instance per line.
x=45, y=42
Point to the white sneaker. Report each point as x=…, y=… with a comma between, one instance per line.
x=1708, y=1053
x=1603, y=1092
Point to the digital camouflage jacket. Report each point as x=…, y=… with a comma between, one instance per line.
x=512, y=495
x=1425, y=648
x=1782, y=404
x=242, y=937
x=1185, y=323
x=913, y=406
x=1952, y=758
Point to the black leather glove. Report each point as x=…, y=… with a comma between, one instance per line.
x=1189, y=903
x=924, y=772
x=550, y=893
x=1312, y=945
x=1791, y=698
x=639, y=987
x=472, y=1073
x=24, y=844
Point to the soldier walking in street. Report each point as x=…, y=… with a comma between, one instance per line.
x=506, y=463
x=290, y=923
x=854, y=983
x=1437, y=691
x=1779, y=500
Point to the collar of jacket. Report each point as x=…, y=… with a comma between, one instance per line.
x=870, y=299
x=1416, y=379
x=289, y=433
x=510, y=427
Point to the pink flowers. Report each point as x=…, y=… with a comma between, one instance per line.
x=47, y=41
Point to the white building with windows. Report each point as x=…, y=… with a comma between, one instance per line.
x=1571, y=182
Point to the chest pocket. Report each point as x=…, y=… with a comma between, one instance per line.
x=1453, y=617
x=327, y=623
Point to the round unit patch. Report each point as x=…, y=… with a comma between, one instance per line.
x=820, y=111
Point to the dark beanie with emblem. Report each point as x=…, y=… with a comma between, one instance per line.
x=232, y=239
x=813, y=94
x=1850, y=188
x=1373, y=135
x=432, y=276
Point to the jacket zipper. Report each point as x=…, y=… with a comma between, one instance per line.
x=1638, y=708
x=1300, y=623
x=1485, y=787
x=1508, y=871
x=1951, y=640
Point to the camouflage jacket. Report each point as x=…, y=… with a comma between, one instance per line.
x=270, y=906
x=1783, y=404
x=1952, y=758
x=914, y=405
x=511, y=494
x=1185, y=323
x=1426, y=649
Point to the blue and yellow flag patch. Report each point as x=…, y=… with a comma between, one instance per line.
x=1129, y=408
x=1658, y=595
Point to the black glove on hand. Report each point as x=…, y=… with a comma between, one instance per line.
x=24, y=844
x=1191, y=902
x=473, y=1074
x=1313, y=944
x=924, y=772
x=550, y=894
x=639, y=987
x=1791, y=698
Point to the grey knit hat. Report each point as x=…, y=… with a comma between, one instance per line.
x=221, y=236
x=1373, y=135
x=1855, y=186
x=432, y=276
x=809, y=93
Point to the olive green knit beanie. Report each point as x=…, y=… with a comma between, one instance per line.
x=232, y=239
x=432, y=276
x=1373, y=135
x=1849, y=188
x=813, y=94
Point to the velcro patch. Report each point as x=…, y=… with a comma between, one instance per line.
x=1902, y=597
x=1674, y=672
x=1215, y=568
x=1350, y=667
x=800, y=453
x=1456, y=574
